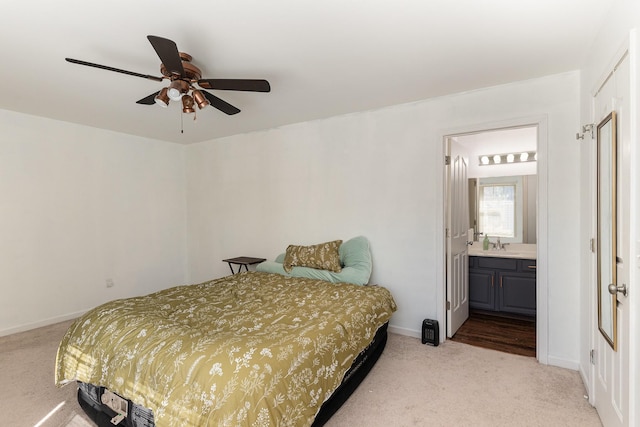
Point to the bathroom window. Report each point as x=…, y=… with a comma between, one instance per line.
x=497, y=210
x=503, y=206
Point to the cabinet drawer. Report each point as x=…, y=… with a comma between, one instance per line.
x=527, y=265
x=498, y=263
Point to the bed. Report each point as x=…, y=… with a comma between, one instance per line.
x=251, y=349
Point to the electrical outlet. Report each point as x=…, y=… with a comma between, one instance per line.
x=109, y=283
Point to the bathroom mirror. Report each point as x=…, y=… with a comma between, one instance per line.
x=519, y=195
x=606, y=227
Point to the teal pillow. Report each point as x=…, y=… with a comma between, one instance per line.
x=356, y=253
x=311, y=273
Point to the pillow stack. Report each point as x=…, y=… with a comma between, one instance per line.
x=335, y=261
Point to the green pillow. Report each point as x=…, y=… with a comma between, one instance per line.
x=356, y=253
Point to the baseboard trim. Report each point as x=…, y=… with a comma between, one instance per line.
x=404, y=331
x=564, y=363
x=40, y=323
x=586, y=383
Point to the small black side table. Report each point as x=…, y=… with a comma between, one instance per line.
x=245, y=261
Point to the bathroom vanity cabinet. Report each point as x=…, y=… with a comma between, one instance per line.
x=502, y=284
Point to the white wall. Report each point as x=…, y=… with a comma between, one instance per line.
x=380, y=174
x=79, y=205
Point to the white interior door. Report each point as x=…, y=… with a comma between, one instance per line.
x=457, y=239
x=611, y=367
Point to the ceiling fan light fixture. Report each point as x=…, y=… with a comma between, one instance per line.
x=187, y=104
x=162, y=99
x=200, y=99
x=177, y=88
x=176, y=67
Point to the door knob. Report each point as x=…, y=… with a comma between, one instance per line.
x=613, y=289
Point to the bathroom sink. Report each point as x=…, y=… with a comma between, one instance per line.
x=519, y=250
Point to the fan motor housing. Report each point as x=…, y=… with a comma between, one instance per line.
x=192, y=72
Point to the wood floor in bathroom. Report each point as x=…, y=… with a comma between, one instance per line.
x=511, y=335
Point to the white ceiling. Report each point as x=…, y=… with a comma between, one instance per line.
x=322, y=58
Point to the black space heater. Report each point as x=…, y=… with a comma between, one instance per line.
x=430, y=332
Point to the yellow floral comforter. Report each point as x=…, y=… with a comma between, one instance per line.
x=253, y=349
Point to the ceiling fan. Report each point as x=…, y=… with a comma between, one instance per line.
x=183, y=77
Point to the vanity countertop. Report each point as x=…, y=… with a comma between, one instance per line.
x=514, y=250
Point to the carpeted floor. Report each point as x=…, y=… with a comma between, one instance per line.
x=78, y=421
x=27, y=393
x=412, y=384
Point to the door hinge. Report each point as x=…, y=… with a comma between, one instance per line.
x=447, y=160
x=592, y=356
x=448, y=305
x=592, y=245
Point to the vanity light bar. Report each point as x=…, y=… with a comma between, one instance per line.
x=505, y=159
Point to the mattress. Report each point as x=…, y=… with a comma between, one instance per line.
x=249, y=349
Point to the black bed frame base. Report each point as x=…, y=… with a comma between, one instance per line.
x=97, y=415
x=362, y=365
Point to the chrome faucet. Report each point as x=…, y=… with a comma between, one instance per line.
x=500, y=246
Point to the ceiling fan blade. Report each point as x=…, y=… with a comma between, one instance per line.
x=117, y=70
x=221, y=105
x=236, y=84
x=167, y=50
x=148, y=100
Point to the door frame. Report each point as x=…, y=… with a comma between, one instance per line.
x=542, y=303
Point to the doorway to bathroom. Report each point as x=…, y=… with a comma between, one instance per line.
x=493, y=274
